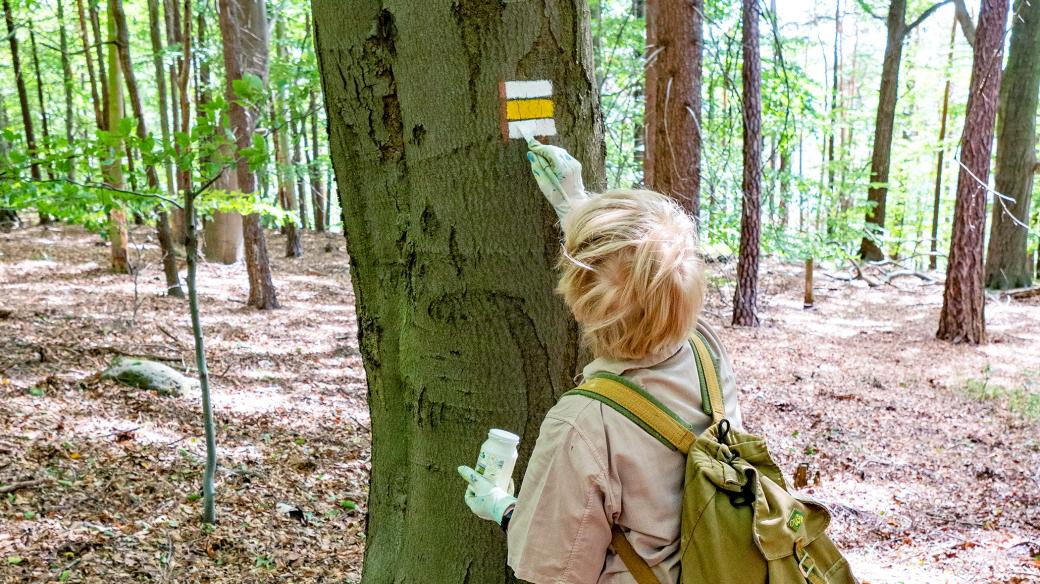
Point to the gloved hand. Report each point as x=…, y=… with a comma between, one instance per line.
x=485, y=499
x=558, y=174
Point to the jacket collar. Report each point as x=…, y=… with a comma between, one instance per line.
x=620, y=366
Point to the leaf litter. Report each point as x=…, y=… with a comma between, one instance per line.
x=928, y=453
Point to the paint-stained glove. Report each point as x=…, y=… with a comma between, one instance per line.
x=484, y=498
x=558, y=174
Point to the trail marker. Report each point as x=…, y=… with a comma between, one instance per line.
x=527, y=108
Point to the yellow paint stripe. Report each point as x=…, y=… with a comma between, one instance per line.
x=529, y=109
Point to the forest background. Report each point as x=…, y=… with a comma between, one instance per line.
x=126, y=118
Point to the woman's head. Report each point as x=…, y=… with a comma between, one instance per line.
x=631, y=273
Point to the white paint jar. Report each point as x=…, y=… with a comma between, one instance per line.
x=498, y=457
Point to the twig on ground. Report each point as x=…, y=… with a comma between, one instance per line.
x=166, y=332
x=22, y=485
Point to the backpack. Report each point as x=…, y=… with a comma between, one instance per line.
x=740, y=522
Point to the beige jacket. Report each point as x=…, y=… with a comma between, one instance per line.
x=592, y=467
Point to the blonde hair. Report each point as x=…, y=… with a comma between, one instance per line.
x=631, y=273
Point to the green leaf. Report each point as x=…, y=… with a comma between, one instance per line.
x=14, y=560
x=348, y=504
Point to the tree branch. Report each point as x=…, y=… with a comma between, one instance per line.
x=924, y=15
x=869, y=11
x=967, y=26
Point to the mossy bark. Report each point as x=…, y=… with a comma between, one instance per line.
x=452, y=250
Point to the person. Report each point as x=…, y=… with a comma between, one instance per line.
x=631, y=275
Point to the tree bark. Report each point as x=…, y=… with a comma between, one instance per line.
x=286, y=171
x=318, y=192
x=963, y=313
x=833, y=129
x=449, y=238
x=45, y=219
x=1007, y=261
x=243, y=26
x=155, y=35
x=675, y=42
x=169, y=254
x=881, y=159
x=113, y=170
x=95, y=101
x=745, y=296
x=99, y=52
x=23, y=94
x=68, y=84
x=937, y=199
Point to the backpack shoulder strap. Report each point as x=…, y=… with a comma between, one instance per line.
x=636, y=404
x=636, y=565
x=708, y=374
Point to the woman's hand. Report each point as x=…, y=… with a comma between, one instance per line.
x=484, y=498
x=558, y=174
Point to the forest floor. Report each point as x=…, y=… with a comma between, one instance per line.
x=928, y=452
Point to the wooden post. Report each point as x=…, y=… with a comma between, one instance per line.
x=808, y=299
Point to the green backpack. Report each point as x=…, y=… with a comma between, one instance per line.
x=740, y=523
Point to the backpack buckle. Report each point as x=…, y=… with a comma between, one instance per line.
x=806, y=565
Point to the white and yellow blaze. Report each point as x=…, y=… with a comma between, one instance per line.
x=529, y=108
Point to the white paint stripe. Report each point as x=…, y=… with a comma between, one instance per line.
x=539, y=127
x=528, y=89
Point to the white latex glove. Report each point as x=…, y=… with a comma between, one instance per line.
x=558, y=174
x=484, y=498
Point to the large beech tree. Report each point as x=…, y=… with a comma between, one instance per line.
x=1007, y=264
x=962, y=318
x=452, y=250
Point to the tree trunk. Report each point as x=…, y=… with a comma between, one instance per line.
x=745, y=296
x=113, y=170
x=286, y=172
x=8, y=217
x=68, y=84
x=99, y=52
x=243, y=26
x=299, y=137
x=785, y=183
x=45, y=219
x=881, y=158
x=1007, y=262
x=675, y=42
x=963, y=313
x=449, y=238
x=318, y=193
x=23, y=94
x=154, y=33
x=937, y=200
x=223, y=231
x=169, y=255
x=95, y=101
x=834, y=189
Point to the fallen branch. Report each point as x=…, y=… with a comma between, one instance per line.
x=1023, y=293
x=861, y=276
x=22, y=485
x=152, y=356
x=908, y=273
